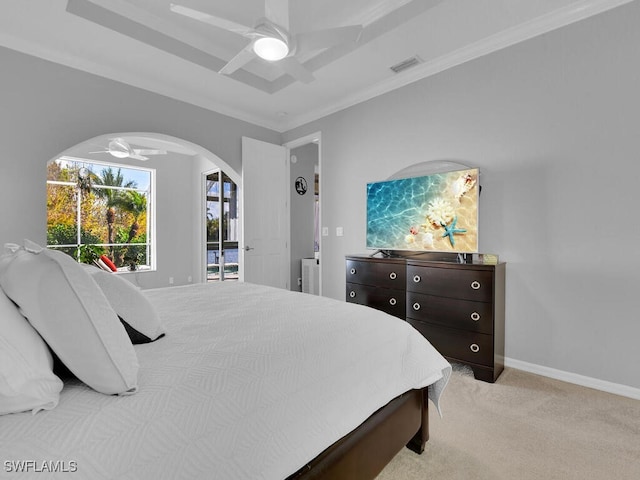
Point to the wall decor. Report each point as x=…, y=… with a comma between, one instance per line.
x=301, y=185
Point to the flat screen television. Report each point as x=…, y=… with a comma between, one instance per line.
x=431, y=213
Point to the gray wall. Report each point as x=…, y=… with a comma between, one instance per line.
x=302, y=209
x=553, y=123
x=47, y=108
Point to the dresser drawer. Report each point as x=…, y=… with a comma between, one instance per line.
x=457, y=344
x=460, y=283
x=380, y=274
x=450, y=312
x=385, y=299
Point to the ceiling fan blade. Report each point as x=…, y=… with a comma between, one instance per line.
x=101, y=151
x=278, y=12
x=327, y=38
x=298, y=71
x=142, y=151
x=212, y=20
x=135, y=156
x=240, y=60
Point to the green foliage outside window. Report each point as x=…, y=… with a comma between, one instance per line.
x=113, y=212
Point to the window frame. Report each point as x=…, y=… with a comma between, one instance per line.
x=226, y=204
x=151, y=244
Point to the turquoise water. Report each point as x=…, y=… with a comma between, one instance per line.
x=397, y=213
x=394, y=206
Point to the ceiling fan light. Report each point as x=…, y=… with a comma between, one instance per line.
x=119, y=148
x=270, y=48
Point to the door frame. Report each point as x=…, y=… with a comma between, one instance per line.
x=202, y=209
x=298, y=142
x=203, y=206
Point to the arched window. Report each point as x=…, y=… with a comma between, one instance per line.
x=96, y=209
x=222, y=227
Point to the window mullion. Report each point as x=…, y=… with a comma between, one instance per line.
x=78, y=220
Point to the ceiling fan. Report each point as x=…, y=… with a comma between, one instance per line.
x=271, y=40
x=120, y=148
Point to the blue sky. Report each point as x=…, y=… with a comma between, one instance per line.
x=140, y=176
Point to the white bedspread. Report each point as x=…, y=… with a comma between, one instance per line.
x=250, y=382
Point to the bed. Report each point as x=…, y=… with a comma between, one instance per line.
x=247, y=382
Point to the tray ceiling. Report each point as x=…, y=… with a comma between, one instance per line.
x=143, y=43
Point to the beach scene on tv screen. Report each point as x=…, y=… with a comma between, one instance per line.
x=437, y=213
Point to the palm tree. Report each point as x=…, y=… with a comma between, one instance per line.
x=134, y=203
x=109, y=178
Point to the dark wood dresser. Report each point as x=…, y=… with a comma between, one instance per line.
x=459, y=308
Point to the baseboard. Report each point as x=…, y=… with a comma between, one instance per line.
x=590, y=382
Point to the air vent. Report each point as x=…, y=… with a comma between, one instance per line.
x=405, y=64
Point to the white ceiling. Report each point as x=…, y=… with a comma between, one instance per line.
x=143, y=43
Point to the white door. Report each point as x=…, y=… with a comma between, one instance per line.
x=265, y=213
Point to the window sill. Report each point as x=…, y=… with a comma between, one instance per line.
x=140, y=269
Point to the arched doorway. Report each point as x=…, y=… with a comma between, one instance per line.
x=180, y=227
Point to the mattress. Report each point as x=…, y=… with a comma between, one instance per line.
x=250, y=382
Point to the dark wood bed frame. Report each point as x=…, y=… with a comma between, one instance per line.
x=363, y=453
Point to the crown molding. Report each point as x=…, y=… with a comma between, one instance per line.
x=154, y=85
x=538, y=26
x=559, y=18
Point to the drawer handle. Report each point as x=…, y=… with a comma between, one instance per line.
x=392, y=301
x=474, y=348
x=416, y=278
x=475, y=316
x=475, y=285
x=416, y=306
x=352, y=271
x=392, y=275
x=352, y=294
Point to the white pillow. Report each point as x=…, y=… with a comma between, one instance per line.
x=27, y=381
x=68, y=309
x=128, y=301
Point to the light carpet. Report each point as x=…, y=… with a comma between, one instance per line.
x=525, y=426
